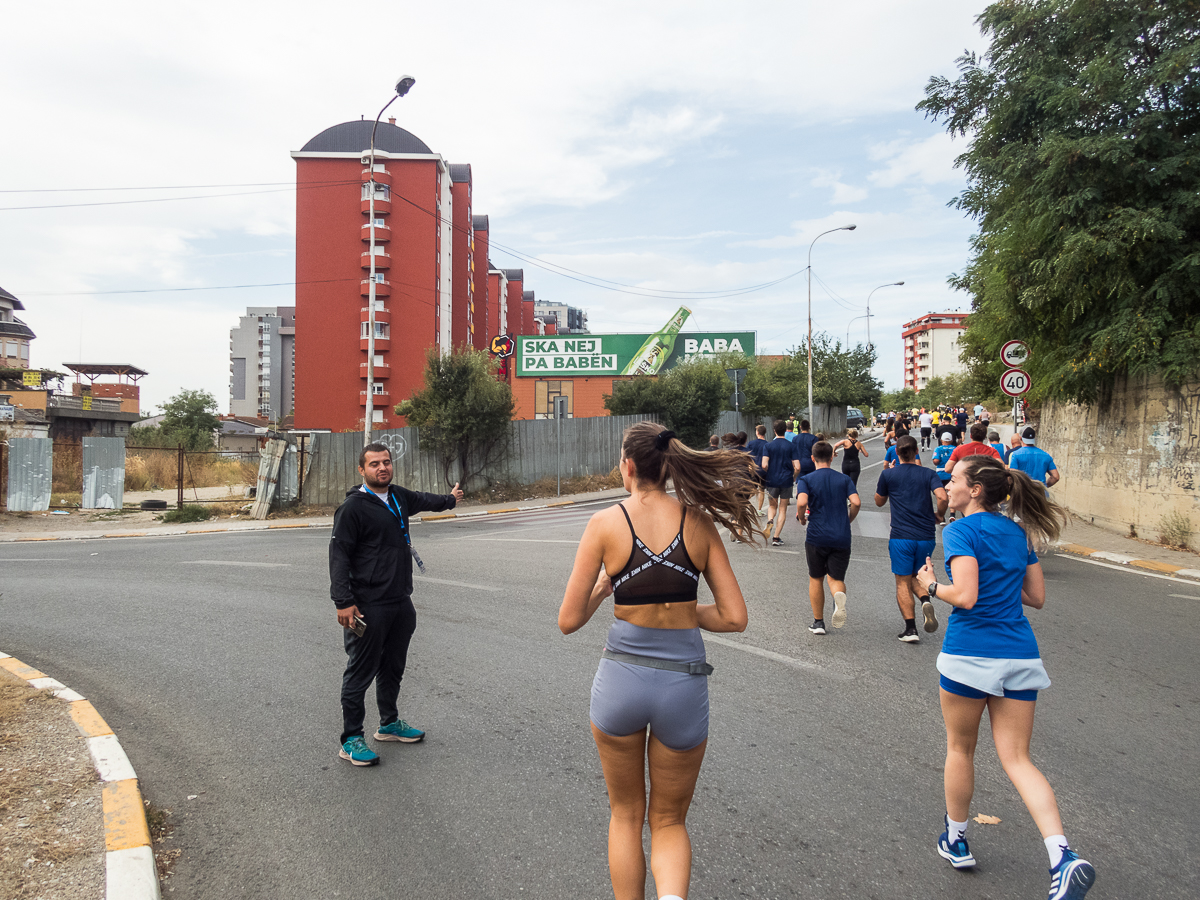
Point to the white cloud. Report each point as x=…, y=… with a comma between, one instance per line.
x=925, y=162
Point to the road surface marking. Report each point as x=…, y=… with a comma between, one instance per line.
x=777, y=657
x=1096, y=562
x=1184, y=596
x=505, y=540
x=46, y=559
x=478, y=587
x=233, y=562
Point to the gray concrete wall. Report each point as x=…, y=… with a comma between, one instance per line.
x=1128, y=462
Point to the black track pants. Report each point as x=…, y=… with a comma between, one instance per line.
x=380, y=656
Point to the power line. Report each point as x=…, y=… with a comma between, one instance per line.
x=171, y=199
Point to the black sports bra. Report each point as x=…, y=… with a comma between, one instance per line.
x=667, y=577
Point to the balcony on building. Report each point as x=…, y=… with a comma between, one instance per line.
x=382, y=261
x=382, y=313
x=383, y=205
x=382, y=372
x=382, y=288
x=381, y=399
x=383, y=233
x=382, y=175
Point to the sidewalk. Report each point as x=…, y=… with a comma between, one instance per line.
x=1080, y=538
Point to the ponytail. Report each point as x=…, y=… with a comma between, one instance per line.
x=721, y=482
x=1028, y=505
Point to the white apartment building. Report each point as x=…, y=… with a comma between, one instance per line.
x=931, y=347
x=262, y=363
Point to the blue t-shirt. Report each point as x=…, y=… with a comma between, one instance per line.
x=790, y=435
x=804, y=443
x=892, y=456
x=780, y=453
x=757, y=449
x=829, y=519
x=1002, y=450
x=996, y=626
x=907, y=488
x=1033, y=461
x=941, y=454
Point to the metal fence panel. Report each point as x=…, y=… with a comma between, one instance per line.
x=289, y=474
x=30, y=474
x=103, y=472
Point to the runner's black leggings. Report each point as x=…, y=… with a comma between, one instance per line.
x=851, y=468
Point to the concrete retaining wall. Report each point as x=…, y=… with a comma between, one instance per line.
x=1129, y=461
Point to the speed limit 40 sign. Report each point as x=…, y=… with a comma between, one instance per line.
x=1015, y=382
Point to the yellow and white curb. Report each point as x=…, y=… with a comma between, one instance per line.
x=130, y=872
x=1125, y=559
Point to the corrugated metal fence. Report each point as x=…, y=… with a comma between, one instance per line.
x=30, y=474
x=589, y=446
x=103, y=473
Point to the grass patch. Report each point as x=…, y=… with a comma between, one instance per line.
x=187, y=514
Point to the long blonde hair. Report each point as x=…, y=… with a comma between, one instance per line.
x=720, y=482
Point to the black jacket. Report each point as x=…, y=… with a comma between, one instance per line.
x=369, y=560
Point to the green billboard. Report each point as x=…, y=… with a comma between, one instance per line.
x=567, y=355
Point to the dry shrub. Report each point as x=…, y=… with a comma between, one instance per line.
x=1175, y=530
x=67, y=468
x=148, y=470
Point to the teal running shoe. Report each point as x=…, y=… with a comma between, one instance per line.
x=357, y=751
x=1071, y=878
x=399, y=731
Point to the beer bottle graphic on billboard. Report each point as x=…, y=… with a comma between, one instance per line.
x=650, y=358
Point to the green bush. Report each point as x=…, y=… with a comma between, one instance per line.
x=188, y=514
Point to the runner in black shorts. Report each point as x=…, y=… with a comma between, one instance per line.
x=824, y=495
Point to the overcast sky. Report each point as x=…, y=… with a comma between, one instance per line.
x=683, y=146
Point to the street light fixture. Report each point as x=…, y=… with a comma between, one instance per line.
x=810, y=246
x=402, y=87
x=873, y=290
x=852, y=321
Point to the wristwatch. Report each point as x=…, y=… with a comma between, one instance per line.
x=933, y=586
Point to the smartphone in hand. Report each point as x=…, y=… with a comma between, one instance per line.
x=360, y=626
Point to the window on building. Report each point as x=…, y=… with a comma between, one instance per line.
x=377, y=415
x=382, y=330
x=377, y=388
x=544, y=394
x=379, y=278
x=382, y=192
x=379, y=223
x=378, y=359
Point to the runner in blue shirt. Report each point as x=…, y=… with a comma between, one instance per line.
x=914, y=531
x=998, y=446
x=941, y=456
x=824, y=493
x=1033, y=460
x=756, y=448
x=804, y=444
x=782, y=464
x=990, y=658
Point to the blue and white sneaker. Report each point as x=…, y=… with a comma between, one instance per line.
x=399, y=731
x=1072, y=878
x=958, y=853
x=357, y=751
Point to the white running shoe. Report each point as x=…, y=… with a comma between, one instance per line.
x=839, y=609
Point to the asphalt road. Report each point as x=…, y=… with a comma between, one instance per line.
x=217, y=660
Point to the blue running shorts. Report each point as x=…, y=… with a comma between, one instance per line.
x=909, y=556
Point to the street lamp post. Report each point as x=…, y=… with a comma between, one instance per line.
x=402, y=88
x=810, y=246
x=873, y=290
x=852, y=321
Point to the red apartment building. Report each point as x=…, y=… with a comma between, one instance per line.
x=462, y=316
x=413, y=262
x=485, y=324
x=514, y=295
x=497, y=303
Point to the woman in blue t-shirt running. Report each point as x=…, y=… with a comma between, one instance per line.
x=990, y=659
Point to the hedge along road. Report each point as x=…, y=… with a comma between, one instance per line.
x=217, y=661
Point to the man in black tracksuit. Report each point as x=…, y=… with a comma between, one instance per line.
x=370, y=577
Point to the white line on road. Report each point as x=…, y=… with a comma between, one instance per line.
x=1104, y=565
x=505, y=540
x=1184, y=596
x=478, y=587
x=233, y=562
x=43, y=559
x=777, y=657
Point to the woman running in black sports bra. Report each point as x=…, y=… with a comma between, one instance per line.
x=650, y=693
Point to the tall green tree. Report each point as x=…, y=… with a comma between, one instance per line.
x=1083, y=170
x=463, y=410
x=841, y=376
x=687, y=398
x=189, y=418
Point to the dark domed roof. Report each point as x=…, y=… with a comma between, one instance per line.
x=355, y=137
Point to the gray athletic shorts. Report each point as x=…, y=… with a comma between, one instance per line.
x=626, y=698
x=780, y=493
